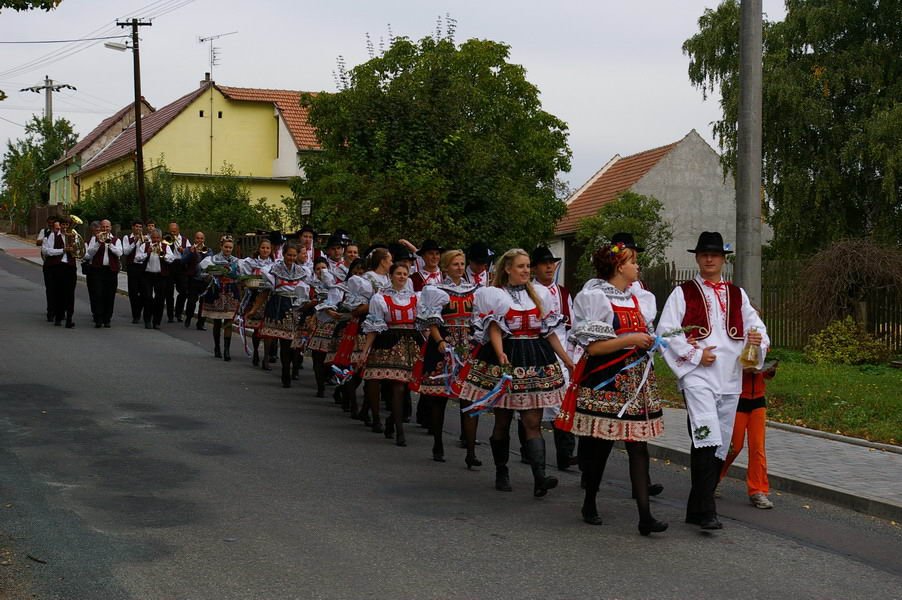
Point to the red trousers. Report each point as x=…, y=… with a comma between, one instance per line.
x=752, y=422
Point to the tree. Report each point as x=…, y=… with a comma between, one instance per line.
x=20, y=5
x=25, y=163
x=632, y=213
x=832, y=117
x=436, y=140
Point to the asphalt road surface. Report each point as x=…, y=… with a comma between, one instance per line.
x=135, y=465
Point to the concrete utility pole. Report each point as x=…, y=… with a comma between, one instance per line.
x=139, y=150
x=48, y=88
x=747, y=271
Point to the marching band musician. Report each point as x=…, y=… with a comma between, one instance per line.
x=133, y=270
x=222, y=297
x=178, y=282
x=43, y=234
x=156, y=258
x=60, y=254
x=191, y=258
x=103, y=252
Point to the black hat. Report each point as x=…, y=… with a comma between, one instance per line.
x=306, y=227
x=627, y=240
x=711, y=241
x=542, y=254
x=400, y=252
x=478, y=252
x=276, y=237
x=429, y=245
x=338, y=238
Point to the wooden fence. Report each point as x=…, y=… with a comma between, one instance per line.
x=883, y=307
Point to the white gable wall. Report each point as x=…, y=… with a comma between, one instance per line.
x=286, y=164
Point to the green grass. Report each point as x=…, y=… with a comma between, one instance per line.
x=858, y=401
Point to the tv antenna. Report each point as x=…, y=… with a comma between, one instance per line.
x=213, y=49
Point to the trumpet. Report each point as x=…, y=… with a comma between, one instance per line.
x=159, y=248
x=104, y=237
x=168, y=239
x=201, y=248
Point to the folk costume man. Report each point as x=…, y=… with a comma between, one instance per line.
x=156, y=258
x=544, y=265
x=62, y=272
x=103, y=252
x=177, y=283
x=717, y=321
x=427, y=270
x=191, y=258
x=133, y=270
x=335, y=249
x=479, y=260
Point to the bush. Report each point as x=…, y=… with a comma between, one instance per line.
x=845, y=342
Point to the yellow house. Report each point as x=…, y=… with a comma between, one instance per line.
x=259, y=133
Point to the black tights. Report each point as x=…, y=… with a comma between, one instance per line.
x=373, y=390
x=319, y=371
x=349, y=396
x=437, y=406
x=593, y=457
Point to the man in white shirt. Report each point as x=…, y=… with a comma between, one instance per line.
x=103, y=254
x=59, y=256
x=717, y=320
x=133, y=270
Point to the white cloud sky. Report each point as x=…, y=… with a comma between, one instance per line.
x=614, y=71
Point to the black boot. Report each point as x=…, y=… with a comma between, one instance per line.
x=256, y=358
x=535, y=450
x=501, y=452
x=286, y=376
x=217, y=329
x=226, y=343
x=564, y=445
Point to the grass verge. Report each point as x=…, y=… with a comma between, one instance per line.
x=859, y=401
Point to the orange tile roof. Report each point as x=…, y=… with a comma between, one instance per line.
x=288, y=103
x=619, y=177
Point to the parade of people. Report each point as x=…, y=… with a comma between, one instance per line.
x=496, y=338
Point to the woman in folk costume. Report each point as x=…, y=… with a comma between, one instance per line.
x=251, y=270
x=322, y=325
x=445, y=311
x=289, y=292
x=517, y=351
x=343, y=305
x=612, y=401
x=222, y=298
x=391, y=350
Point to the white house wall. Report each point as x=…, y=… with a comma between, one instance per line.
x=286, y=165
x=689, y=182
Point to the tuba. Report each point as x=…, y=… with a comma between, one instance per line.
x=75, y=245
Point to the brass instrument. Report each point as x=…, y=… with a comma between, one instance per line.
x=169, y=239
x=159, y=248
x=104, y=237
x=75, y=245
x=201, y=248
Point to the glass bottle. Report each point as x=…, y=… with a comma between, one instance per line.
x=750, y=354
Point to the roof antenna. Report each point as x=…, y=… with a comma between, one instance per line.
x=213, y=49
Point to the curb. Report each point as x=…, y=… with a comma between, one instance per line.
x=835, y=437
x=796, y=485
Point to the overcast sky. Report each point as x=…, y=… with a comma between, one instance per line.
x=613, y=71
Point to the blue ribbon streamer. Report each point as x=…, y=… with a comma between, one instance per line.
x=488, y=401
x=343, y=375
x=659, y=343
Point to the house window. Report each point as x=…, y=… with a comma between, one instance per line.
x=220, y=114
x=201, y=114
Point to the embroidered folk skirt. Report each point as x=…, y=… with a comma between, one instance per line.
x=253, y=308
x=280, y=318
x=222, y=299
x=596, y=410
x=393, y=355
x=538, y=381
x=322, y=340
x=351, y=343
x=433, y=366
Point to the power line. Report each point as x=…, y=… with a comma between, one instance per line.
x=110, y=37
x=13, y=122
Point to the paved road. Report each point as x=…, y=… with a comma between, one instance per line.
x=134, y=465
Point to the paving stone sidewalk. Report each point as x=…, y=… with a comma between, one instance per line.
x=832, y=468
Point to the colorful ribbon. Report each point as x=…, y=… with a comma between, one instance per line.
x=492, y=398
x=343, y=375
x=659, y=343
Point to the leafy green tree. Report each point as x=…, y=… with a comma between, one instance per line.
x=832, y=117
x=20, y=5
x=25, y=163
x=632, y=213
x=220, y=204
x=432, y=139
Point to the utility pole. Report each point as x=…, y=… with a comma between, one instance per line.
x=747, y=272
x=139, y=150
x=48, y=88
